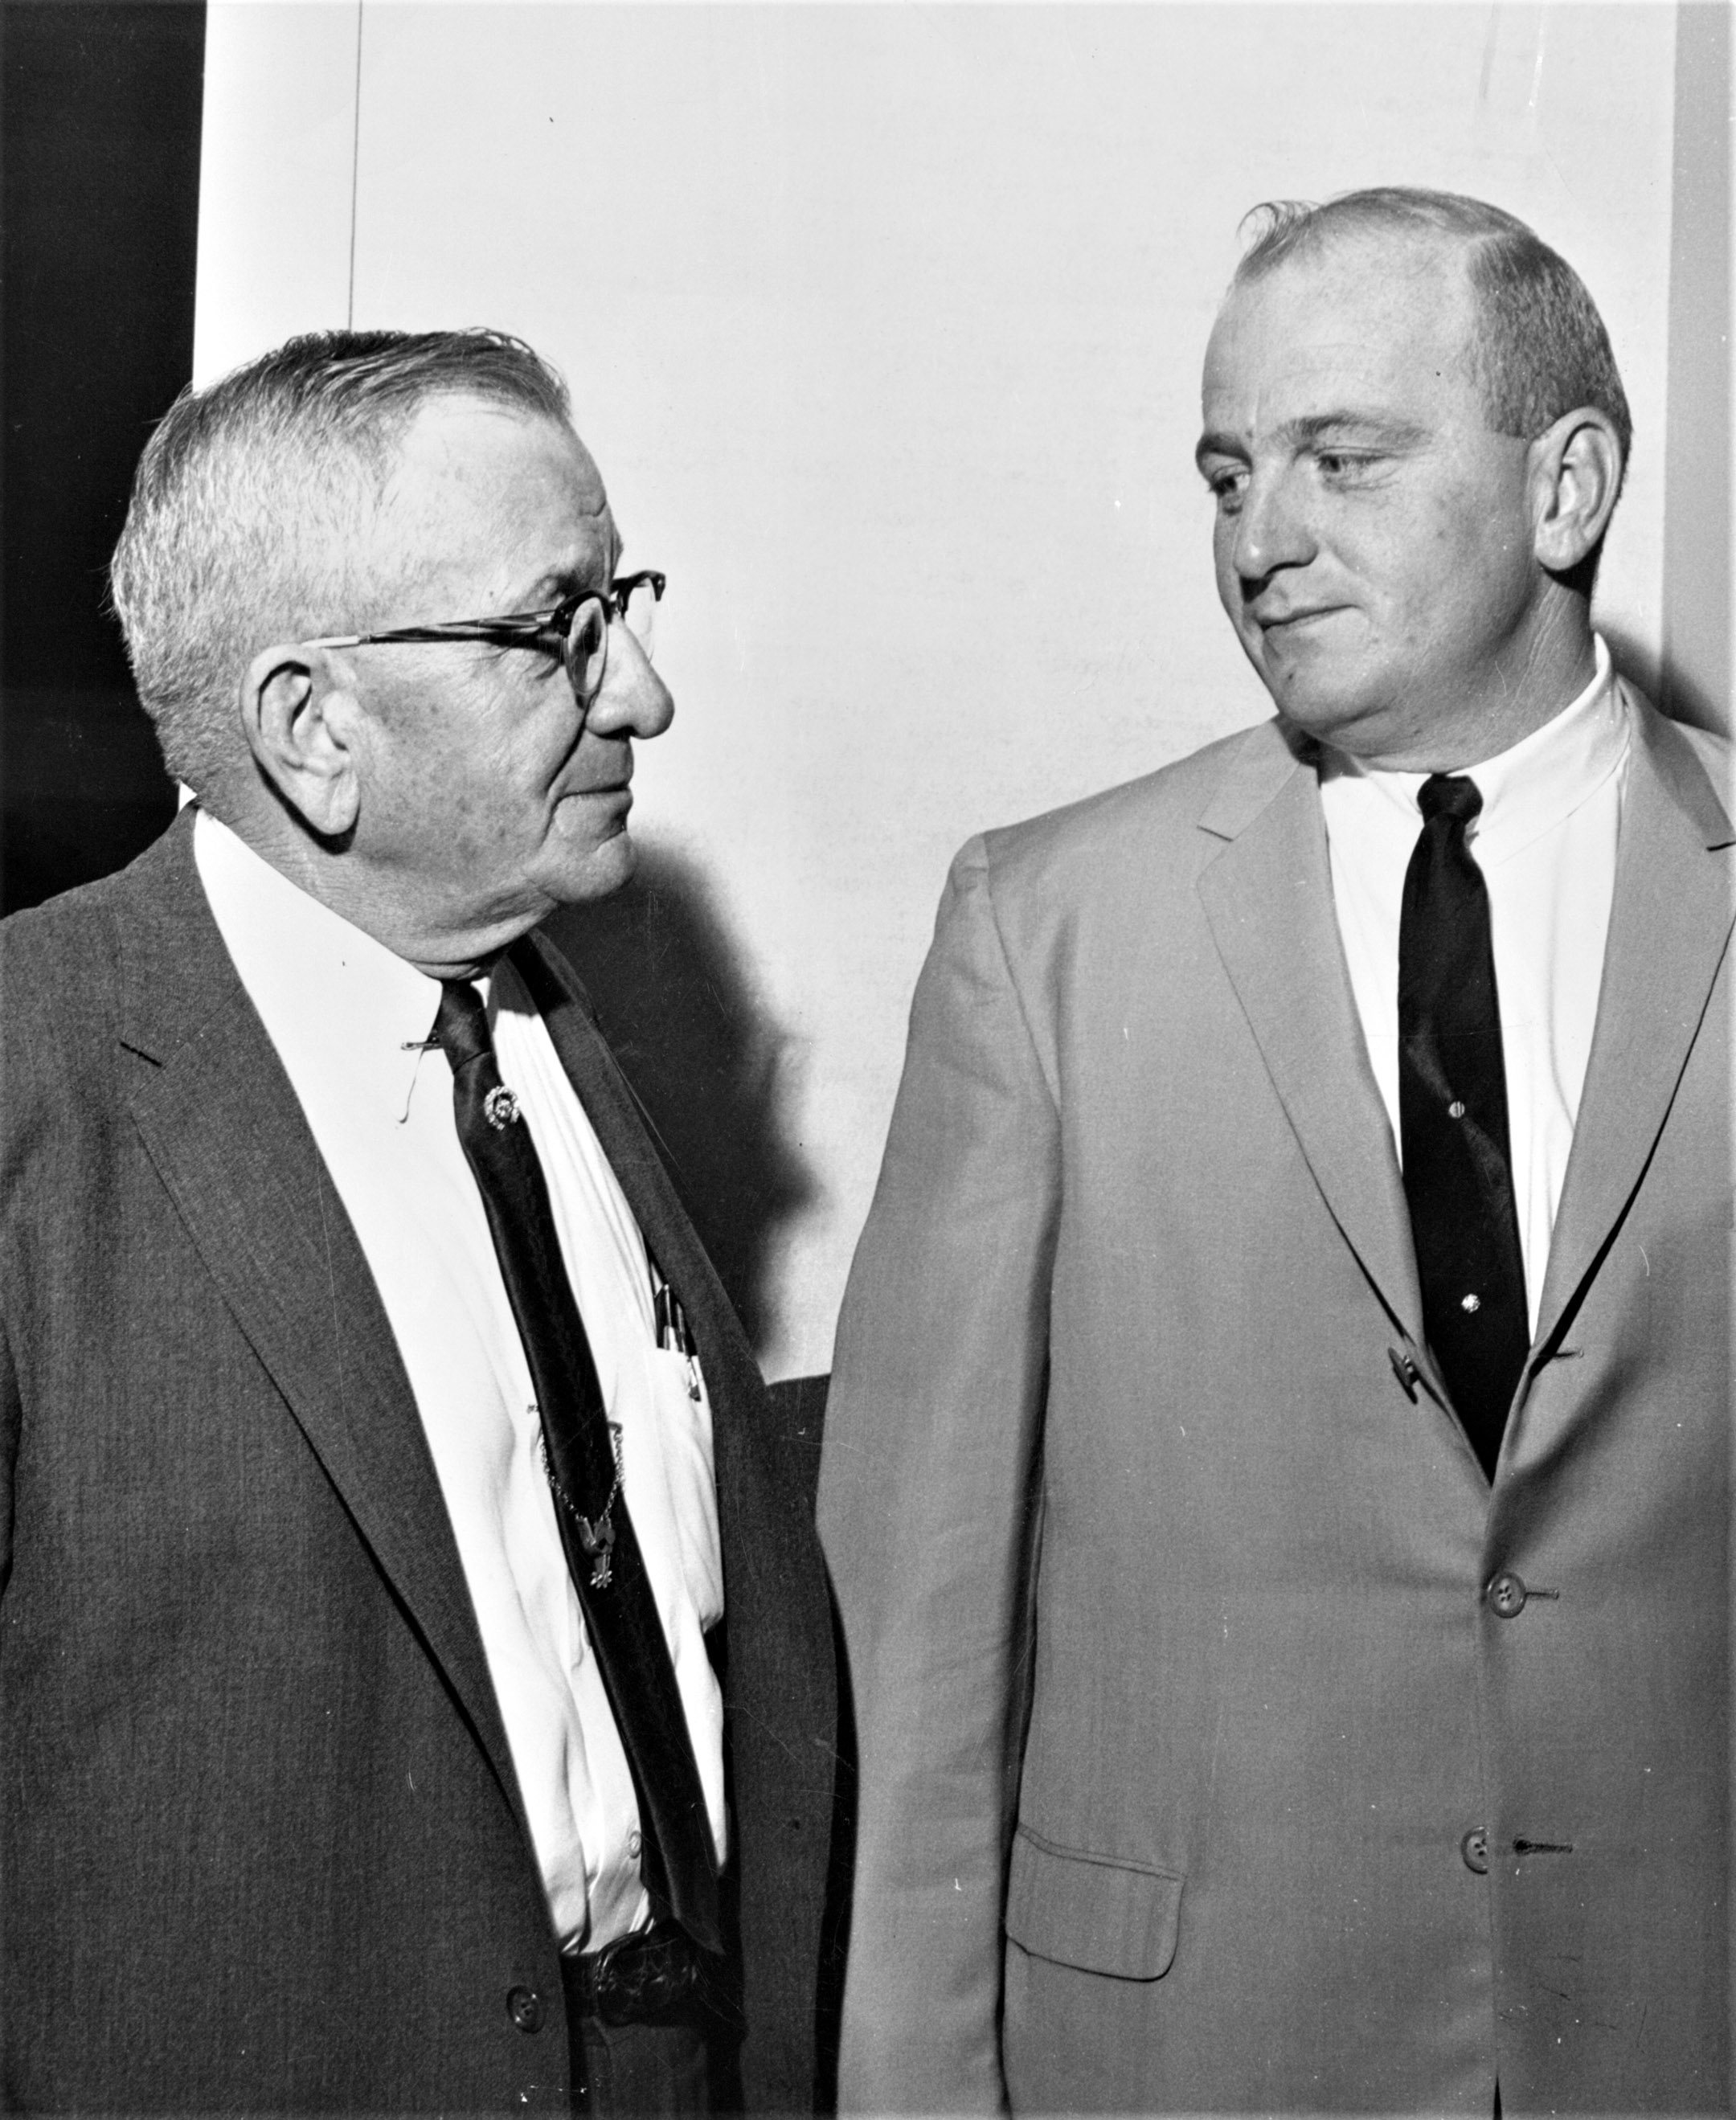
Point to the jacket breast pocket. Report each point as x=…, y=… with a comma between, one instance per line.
x=1091, y=1911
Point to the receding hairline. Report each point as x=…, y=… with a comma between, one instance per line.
x=1385, y=252
x=1420, y=248
x=1277, y=230
x=497, y=405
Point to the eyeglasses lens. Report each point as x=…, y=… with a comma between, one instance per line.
x=640, y=615
x=588, y=638
x=588, y=649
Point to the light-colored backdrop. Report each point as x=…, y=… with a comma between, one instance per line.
x=884, y=324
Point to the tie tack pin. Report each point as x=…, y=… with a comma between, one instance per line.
x=499, y=1107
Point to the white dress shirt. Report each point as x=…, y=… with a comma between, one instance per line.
x=346, y=1017
x=1545, y=840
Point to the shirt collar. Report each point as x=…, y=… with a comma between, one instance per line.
x=344, y=1001
x=1537, y=783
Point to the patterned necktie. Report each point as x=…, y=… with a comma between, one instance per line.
x=1453, y=1121
x=603, y=1554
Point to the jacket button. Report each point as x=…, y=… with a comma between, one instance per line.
x=524, y=2006
x=1474, y=1850
x=1506, y=1596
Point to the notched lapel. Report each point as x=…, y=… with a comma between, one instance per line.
x=1669, y=927
x=226, y=1134
x=1267, y=897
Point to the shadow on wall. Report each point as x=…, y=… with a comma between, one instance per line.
x=675, y=1001
x=1663, y=683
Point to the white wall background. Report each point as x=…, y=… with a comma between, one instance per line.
x=885, y=323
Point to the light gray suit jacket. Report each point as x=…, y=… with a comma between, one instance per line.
x=1198, y=1771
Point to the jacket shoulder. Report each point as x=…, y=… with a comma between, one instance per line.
x=1717, y=757
x=1698, y=764
x=1152, y=822
x=44, y=934
x=63, y=974
x=59, y=965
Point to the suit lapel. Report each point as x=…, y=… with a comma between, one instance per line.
x=1669, y=927
x=1267, y=897
x=227, y=1135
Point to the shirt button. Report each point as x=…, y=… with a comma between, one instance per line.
x=1506, y=1596
x=634, y=1842
x=524, y=2006
x=1474, y=1850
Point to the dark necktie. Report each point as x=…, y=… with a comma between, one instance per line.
x=1453, y=1121
x=608, y=1571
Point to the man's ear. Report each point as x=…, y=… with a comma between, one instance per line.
x=302, y=718
x=1576, y=473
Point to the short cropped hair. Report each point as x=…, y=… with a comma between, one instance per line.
x=1541, y=349
x=251, y=507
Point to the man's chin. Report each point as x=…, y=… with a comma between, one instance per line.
x=599, y=873
x=1320, y=712
x=1319, y=697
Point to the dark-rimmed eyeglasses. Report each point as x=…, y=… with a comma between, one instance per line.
x=575, y=631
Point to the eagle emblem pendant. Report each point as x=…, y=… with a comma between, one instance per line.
x=596, y=1536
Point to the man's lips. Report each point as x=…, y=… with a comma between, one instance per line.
x=599, y=774
x=1280, y=621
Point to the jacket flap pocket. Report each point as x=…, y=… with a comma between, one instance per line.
x=1089, y=1911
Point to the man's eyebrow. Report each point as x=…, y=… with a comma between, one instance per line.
x=1313, y=428
x=549, y=589
x=559, y=583
x=1217, y=445
x=1317, y=427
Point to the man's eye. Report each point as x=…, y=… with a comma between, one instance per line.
x=1344, y=465
x=1226, y=484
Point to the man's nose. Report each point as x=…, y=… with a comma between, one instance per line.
x=632, y=700
x=1272, y=529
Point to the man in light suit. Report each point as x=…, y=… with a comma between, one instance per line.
x=383, y=1471
x=1276, y=1478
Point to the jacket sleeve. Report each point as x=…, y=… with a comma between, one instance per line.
x=932, y=1431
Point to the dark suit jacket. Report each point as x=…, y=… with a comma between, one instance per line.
x=1305, y=1820
x=261, y=1842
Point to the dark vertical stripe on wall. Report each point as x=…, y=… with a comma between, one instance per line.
x=101, y=148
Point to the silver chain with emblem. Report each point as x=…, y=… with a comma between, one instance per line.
x=596, y=1534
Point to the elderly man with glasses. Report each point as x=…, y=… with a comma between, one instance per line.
x=381, y=1462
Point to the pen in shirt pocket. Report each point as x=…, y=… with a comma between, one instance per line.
x=673, y=1332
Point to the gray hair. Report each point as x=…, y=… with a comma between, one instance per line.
x=251, y=505
x=1541, y=349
